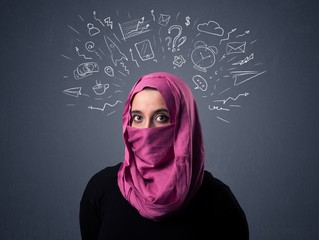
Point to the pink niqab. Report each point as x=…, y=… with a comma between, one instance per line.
x=163, y=167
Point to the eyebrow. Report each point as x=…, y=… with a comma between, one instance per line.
x=157, y=111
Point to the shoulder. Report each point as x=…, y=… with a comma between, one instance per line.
x=105, y=173
x=223, y=205
x=220, y=197
x=214, y=186
x=215, y=190
x=101, y=182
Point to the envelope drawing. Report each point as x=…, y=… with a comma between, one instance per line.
x=163, y=19
x=235, y=47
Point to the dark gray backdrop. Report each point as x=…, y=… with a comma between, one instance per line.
x=265, y=148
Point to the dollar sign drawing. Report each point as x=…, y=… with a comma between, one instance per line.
x=187, y=21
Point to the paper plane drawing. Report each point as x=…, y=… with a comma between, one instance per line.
x=243, y=76
x=74, y=92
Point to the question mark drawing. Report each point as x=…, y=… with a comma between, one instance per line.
x=176, y=38
x=169, y=42
x=181, y=41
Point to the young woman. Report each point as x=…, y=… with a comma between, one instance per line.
x=161, y=189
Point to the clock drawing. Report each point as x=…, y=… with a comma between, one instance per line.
x=203, y=56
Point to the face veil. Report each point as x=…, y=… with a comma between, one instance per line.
x=163, y=167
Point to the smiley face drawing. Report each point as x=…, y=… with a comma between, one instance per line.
x=203, y=56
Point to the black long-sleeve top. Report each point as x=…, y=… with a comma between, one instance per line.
x=213, y=213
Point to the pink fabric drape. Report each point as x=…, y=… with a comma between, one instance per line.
x=163, y=167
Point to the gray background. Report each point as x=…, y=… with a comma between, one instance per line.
x=267, y=153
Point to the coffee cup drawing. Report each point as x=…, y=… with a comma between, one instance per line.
x=100, y=88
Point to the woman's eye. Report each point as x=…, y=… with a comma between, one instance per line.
x=162, y=118
x=136, y=118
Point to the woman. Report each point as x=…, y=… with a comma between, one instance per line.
x=160, y=190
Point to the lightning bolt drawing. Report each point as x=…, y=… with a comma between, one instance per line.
x=108, y=22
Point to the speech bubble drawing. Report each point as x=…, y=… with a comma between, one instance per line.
x=200, y=82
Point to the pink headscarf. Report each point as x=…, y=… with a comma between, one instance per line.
x=163, y=167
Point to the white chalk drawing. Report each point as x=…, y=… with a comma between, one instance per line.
x=222, y=119
x=116, y=54
x=74, y=30
x=105, y=106
x=203, y=56
x=109, y=71
x=73, y=92
x=81, y=17
x=231, y=98
x=132, y=57
x=94, y=13
x=106, y=21
x=100, y=89
x=221, y=59
x=153, y=16
x=200, y=82
x=66, y=57
x=81, y=55
x=187, y=19
x=243, y=76
x=245, y=60
x=235, y=47
x=228, y=36
x=211, y=27
x=90, y=47
x=92, y=29
x=164, y=19
x=134, y=28
x=179, y=60
x=217, y=108
x=144, y=50
x=177, y=41
x=241, y=35
x=125, y=68
x=85, y=69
